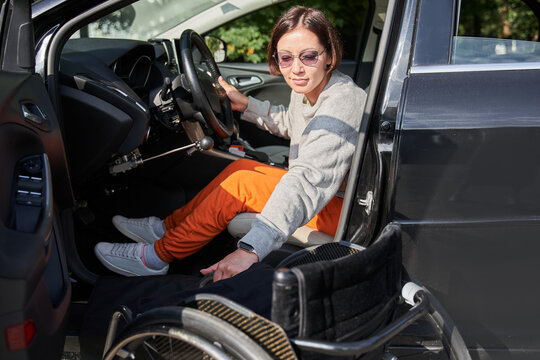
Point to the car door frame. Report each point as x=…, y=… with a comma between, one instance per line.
x=34, y=278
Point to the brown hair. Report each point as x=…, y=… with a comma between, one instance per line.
x=313, y=20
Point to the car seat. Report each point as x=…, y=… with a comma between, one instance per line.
x=304, y=236
x=334, y=300
x=277, y=154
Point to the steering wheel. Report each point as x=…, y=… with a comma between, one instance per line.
x=202, y=72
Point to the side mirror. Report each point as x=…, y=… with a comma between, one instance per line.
x=217, y=47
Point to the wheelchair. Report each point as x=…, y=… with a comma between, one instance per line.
x=332, y=301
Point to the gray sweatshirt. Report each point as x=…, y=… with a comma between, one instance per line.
x=323, y=140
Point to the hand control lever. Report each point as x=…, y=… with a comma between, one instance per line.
x=206, y=143
x=165, y=88
x=131, y=161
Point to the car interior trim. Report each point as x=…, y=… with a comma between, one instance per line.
x=61, y=37
x=356, y=164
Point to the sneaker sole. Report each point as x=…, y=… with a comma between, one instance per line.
x=125, y=272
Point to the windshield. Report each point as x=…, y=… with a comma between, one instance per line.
x=145, y=19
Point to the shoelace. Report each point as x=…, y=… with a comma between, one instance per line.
x=125, y=250
x=140, y=222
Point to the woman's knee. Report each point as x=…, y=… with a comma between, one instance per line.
x=249, y=183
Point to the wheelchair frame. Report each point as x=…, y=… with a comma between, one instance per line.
x=212, y=326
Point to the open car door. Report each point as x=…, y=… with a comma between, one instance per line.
x=34, y=285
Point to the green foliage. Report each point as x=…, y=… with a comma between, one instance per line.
x=503, y=19
x=247, y=43
x=248, y=37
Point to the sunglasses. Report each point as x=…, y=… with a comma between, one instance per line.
x=307, y=57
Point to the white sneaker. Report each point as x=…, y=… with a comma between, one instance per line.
x=125, y=259
x=141, y=230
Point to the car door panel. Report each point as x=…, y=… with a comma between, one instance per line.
x=255, y=80
x=467, y=196
x=33, y=274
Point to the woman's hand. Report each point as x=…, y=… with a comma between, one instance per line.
x=232, y=264
x=239, y=101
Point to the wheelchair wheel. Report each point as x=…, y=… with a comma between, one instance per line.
x=182, y=333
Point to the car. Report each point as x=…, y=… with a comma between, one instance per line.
x=100, y=116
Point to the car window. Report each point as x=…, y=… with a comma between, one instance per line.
x=144, y=19
x=248, y=36
x=497, y=31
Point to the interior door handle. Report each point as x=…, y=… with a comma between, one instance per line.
x=243, y=81
x=33, y=113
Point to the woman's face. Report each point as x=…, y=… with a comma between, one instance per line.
x=304, y=79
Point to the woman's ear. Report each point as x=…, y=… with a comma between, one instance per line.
x=329, y=65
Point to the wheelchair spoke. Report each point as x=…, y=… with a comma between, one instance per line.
x=151, y=351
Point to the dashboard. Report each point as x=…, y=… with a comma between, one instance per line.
x=107, y=88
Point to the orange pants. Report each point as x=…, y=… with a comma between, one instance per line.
x=243, y=186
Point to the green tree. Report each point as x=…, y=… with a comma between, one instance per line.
x=504, y=19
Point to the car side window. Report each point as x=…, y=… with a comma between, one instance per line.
x=247, y=37
x=497, y=31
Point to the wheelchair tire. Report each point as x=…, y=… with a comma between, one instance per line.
x=183, y=333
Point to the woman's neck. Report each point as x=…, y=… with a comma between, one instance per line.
x=313, y=95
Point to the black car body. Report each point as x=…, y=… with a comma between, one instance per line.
x=448, y=149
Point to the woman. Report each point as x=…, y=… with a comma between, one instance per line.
x=321, y=122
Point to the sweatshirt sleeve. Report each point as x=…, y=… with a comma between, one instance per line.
x=324, y=156
x=272, y=118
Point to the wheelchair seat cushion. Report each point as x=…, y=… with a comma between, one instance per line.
x=342, y=299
